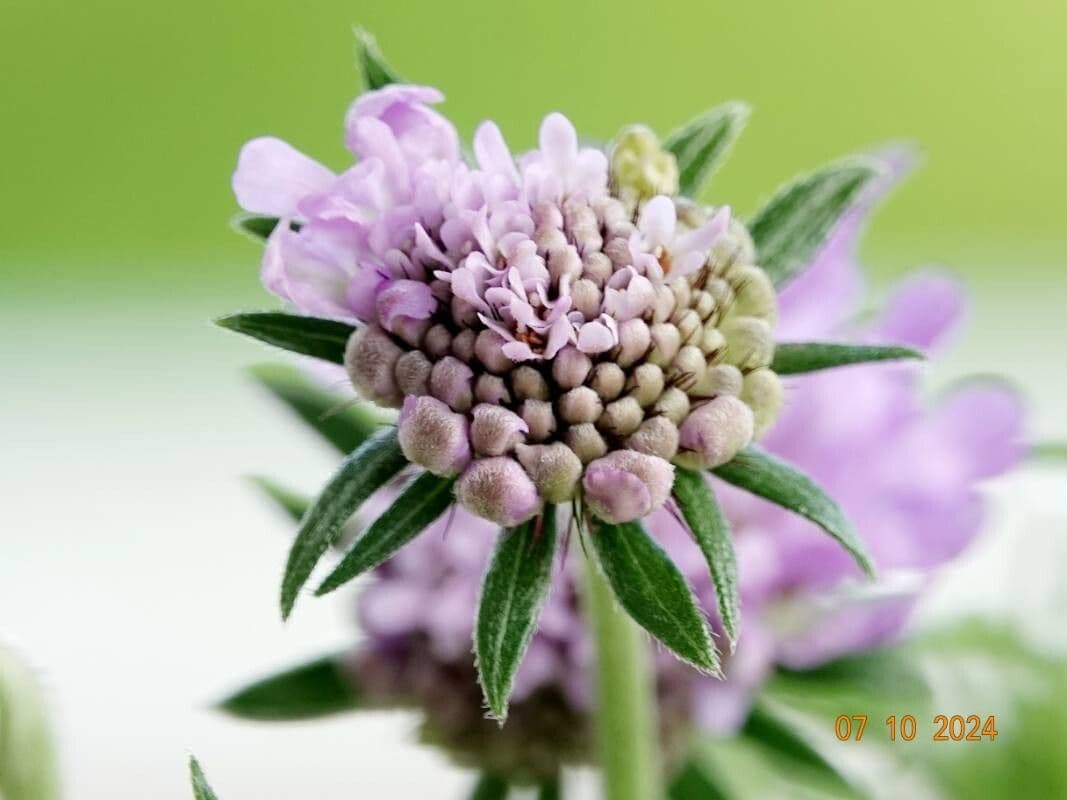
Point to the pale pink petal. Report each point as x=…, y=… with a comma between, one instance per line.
x=272, y=177
x=657, y=222
x=492, y=152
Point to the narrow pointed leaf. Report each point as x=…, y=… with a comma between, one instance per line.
x=367, y=469
x=201, y=788
x=292, y=503
x=764, y=475
x=489, y=787
x=775, y=734
x=256, y=226
x=792, y=358
x=694, y=782
x=701, y=145
x=653, y=592
x=309, y=336
x=514, y=589
x=791, y=226
x=420, y=504
x=314, y=689
x=374, y=68
x=712, y=534
x=343, y=422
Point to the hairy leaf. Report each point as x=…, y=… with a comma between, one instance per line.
x=514, y=589
x=201, y=789
x=712, y=534
x=343, y=422
x=791, y=226
x=373, y=67
x=701, y=144
x=792, y=358
x=757, y=471
x=294, y=504
x=654, y=593
x=314, y=689
x=309, y=336
x=363, y=472
x=420, y=504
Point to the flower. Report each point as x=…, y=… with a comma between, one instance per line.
x=907, y=471
x=531, y=300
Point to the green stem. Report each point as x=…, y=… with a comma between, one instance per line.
x=626, y=710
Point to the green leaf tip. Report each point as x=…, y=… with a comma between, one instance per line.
x=366, y=470
x=256, y=226
x=513, y=591
x=653, y=592
x=201, y=788
x=311, y=690
x=790, y=227
x=375, y=70
x=760, y=473
x=489, y=787
x=711, y=531
x=309, y=336
x=419, y=505
x=292, y=503
x=702, y=144
x=794, y=358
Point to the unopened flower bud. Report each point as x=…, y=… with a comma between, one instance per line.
x=607, y=380
x=665, y=343
x=646, y=384
x=491, y=389
x=626, y=485
x=714, y=432
x=488, y=346
x=610, y=211
x=735, y=247
x=618, y=250
x=433, y=436
x=463, y=345
x=621, y=417
x=690, y=326
x=672, y=404
x=596, y=267
x=720, y=292
x=437, y=342
x=495, y=430
x=749, y=342
x=762, y=392
x=451, y=382
x=585, y=297
x=635, y=339
x=712, y=342
x=528, y=383
x=621, y=230
x=463, y=312
x=703, y=304
x=580, y=405
x=571, y=367
x=687, y=368
x=499, y=490
x=370, y=360
x=640, y=167
x=664, y=305
x=549, y=240
x=718, y=379
x=565, y=263
x=581, y=223
x=548, y=215
x=683, y=292
x=539, y=418
x=413, y=373
x=586, y=442
x=554, y=469
x=657, y=436
x=754, y=294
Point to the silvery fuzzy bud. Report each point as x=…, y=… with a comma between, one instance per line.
x=585, y=297
x=547, y=215
x=488, y=346
x=433, y=436
x=528, y=383
x=703, y=304
x=690, y=213
x=554, y=469
x=463, y=345
x=621, y=230
x=640, y=167
x=714, y=433
x=749, y=342
x=683, y=292
x=626, y=485
x=689, y=324
x=495, y=430
x=610, y=211
x=664, y=305
x=712, y=342
x=411, y=331
x=621, y=417
x=549, y=240
x=721, y=292
x=597, y=267
x=571, y=367
x=646, y=384
x=688, y=367
x=463, y=312
x=718, y=379
x=370, y=360
x=607, y=380
x=580, y=222
x=657, y=436
x=491, y=389
x=565, y=263
x=413, y=373
x=665, y=343
x=539, y=419
x=499, y=490
x=580, y=405
x=672, y=404
x=762, y=392
x=437, y=342
x=736, y=247
x=586, y=442
x=754, y=294
x=635, y=339
x=451, y=382
x=617, y=249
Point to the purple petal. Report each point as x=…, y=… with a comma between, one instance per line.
x=404, y=299
x=923, y=311
x=272, y=177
